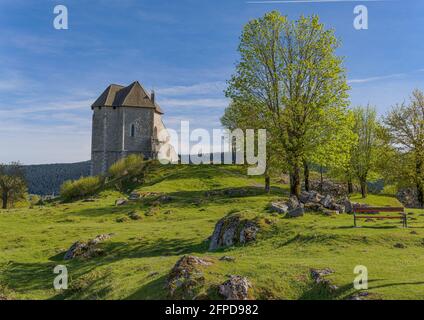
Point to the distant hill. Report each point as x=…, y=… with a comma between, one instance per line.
x=46, y=179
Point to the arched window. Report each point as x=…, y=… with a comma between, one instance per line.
x=132, y=130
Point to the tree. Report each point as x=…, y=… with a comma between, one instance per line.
x=362, y=156
x=12, y=183
x=405, y=123
x=290, y=71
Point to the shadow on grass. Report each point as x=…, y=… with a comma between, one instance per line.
x=153, y=290
x=183, y=199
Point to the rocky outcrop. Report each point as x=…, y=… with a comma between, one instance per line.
x=235, y=288
x=292, y=207
x=318, y=275
x=332, y=188
x=120, y=202
x=87, y=249
x=186, y=277
x=408, y=197
x=311, y=201
x=233, y=229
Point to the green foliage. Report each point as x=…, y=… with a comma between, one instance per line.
x=81, y=188
x=405, y=127
x=12, y=184
x=291, y=78
x=131, y=166
x=128, y=172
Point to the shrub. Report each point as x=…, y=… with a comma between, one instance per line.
x=131, y=166
x=83, y=187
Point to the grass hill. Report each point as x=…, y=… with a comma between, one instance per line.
x=141, y=253
x=46, y=179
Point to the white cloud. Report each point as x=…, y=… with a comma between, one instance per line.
x=201, y=103
x=196, y=89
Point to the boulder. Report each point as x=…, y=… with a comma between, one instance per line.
x=347, y=204
x=235, y=288
x=233, y=229
x=298, y=212
x=279, y=206
x=327, y=201
x=294, y=203
x=134, y=216
x=318, y=275
x=120, y=202
x=87, y=249
x=408, y=197
x=186, y=277
x=134, y=196
x=227, y=258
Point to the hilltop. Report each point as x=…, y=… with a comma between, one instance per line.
x=140, y=254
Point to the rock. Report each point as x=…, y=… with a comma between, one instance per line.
x=335, y=189
x=120, y=202
x=359, y=296
x=399, y=245
x=330, y=212
x=168, y=212
x=87, y=249
x=233, y=229
x=298, y=212
x=345, y=202
x=227, y=258
x=134, y=216
x=165, y=199
x=318, y=277
x=414, y=232
x=408, y=197
x=121, y=219
x=186, y=277
x=236, y=192
x=316, y=207
x=294, y=203
x=134, y=196
x=235, y=288
x=279, y=206
x=327, y=201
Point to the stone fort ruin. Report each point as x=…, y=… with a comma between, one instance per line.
x=127, y=120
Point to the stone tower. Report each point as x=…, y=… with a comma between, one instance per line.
x=126, y=120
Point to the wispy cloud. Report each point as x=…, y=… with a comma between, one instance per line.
x=383, y=77
x=196, y=89
x=201, y=103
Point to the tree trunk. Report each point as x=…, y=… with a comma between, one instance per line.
x=349, y=186
x=363, y=188
x=295, y=182
x=306, y=174
x=267, y=183
x=4, y=199
x=419, y=181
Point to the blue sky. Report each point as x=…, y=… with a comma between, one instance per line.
x=184, y=49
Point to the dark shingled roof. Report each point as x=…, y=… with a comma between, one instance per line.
x=132, y=96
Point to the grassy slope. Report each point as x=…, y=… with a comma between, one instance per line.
x=141, y=253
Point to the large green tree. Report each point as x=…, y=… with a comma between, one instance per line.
x=405, y=123
x=290, y=70
x=12, y=183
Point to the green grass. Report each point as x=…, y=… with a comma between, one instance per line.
x=142, y=252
